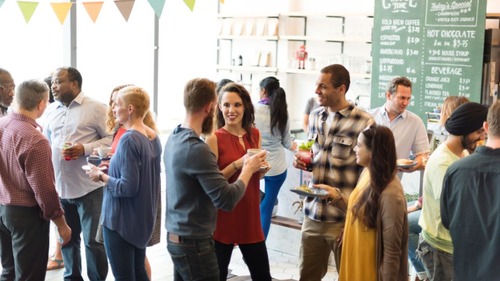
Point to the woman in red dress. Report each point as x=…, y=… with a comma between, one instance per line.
x=241, y=226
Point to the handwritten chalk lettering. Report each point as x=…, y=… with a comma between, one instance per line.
x=429, y=93
x=414, y=22
x=413, y=40
x=444, y=80
x=392, y=37
x=458, y=34
x=413, y=29
x=434, y=86
x=399, y=6
x=387, y=51
x=393, y=61
x=386, y=22
x=446, y=70
x=430, y=104
x=464, y=81
x=431, y=79
x=449, y=53
x=431, y=33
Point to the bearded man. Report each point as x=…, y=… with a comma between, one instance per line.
x=196, y=188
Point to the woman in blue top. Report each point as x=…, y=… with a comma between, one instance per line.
x=271, y=118
x=132, y=187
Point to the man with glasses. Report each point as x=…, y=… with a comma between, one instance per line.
x=79, y=122
x=6, y=91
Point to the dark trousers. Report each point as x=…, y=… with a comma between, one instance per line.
x=82, y=216
x=24, y=243
x=254, y=255
x=194, y=259
x=127, y=261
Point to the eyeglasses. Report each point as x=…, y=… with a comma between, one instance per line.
x=8, y=88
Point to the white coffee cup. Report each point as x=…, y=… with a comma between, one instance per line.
x=103, y=151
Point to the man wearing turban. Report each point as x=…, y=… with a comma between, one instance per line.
x=470, y=203
x=435, y=248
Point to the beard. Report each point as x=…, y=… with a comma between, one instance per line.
x=468, y=143
x=208, y=124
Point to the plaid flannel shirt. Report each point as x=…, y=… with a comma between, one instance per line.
x=334, y=161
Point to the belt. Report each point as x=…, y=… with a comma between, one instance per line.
x=174, y=238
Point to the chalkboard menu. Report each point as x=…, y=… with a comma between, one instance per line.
x=437, y=44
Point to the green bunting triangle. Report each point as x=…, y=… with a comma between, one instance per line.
x=157, y=6
x=1, y=3
x=27, y=8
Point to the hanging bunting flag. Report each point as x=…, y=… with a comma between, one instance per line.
x=27, y=8
x=125, y=7
x=93, y=9
x=61, y=9
x=190, y=4
x=221, y=1
x=157, y=6
x=1, y=3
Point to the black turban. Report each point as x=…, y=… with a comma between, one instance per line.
x=466, y=118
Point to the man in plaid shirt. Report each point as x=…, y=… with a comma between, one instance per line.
x=335, y=127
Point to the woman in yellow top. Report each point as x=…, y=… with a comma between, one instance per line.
x=375, y=240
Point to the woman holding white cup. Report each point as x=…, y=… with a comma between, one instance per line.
x=235, y=138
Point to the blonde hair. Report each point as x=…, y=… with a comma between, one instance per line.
x=111, y=125
x=139, y=98
x=449, y=105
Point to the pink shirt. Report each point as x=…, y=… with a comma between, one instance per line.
x=26, y=171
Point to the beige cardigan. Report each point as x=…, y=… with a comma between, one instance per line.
x=392, y=234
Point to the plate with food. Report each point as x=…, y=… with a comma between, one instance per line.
x=309, y=191
x=406, y=163
x=87, y=168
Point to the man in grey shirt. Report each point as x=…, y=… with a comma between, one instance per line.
x=196, y=187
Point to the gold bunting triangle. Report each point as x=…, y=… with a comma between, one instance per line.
x=61, y=9
x=125, y=7
x=93, y=9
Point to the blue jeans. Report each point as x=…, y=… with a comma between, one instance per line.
x=24, y=243
x=82, y=216
x=272, y=188
x=127, y=261
x=194, y=259
x=414, y=231
x=438, y=264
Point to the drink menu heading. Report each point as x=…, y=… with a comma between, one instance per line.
x=437, y=44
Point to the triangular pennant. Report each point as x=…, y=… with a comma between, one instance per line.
x=221, y=1
x=61, y=9
x=190, y=4
x=93, y=9
x=1, y=3
x=27, y=8
x=125, y=7
x=157, y=6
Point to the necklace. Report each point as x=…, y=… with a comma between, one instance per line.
x=240, y=136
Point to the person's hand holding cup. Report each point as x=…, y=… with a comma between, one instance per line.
x=255, y=159
x=65, y=147
x=303, y=160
